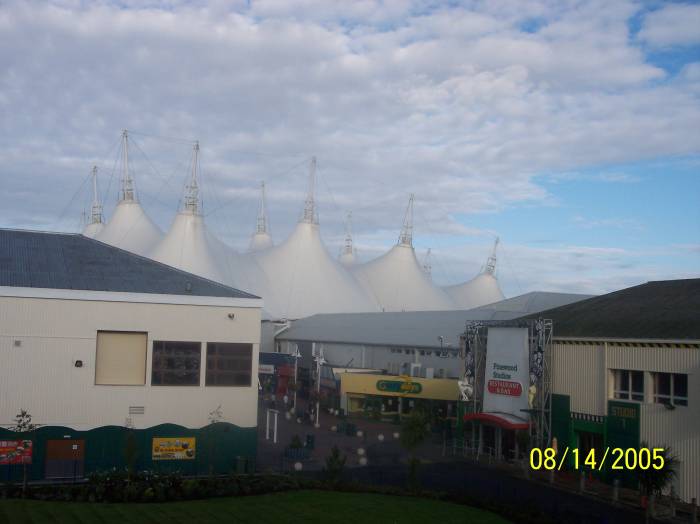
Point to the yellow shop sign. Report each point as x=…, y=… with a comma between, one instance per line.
x=398, y=386
x=174, y=448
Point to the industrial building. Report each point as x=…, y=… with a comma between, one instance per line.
x=626, y=371
x=419, y=343
x=109, y=351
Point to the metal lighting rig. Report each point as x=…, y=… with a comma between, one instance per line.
x=473, y=349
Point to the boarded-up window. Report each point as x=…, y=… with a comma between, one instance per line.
x=121, y=358
x=229, y=364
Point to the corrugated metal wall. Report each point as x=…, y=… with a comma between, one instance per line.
x=579, y=371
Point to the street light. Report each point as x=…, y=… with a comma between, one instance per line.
x=297, y=356
x=319, y=362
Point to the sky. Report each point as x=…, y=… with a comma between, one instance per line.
x=569, y=129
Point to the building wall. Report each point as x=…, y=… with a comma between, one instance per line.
x=578, y=371
x=679, y=428
x=582, y=370
x=390, y=359
x=39, y=375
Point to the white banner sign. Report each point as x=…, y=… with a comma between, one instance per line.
x=266, y=369
x=506, y=375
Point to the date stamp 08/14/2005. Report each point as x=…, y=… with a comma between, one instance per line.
x=620, y=458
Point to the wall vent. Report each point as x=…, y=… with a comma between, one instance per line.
x=137, y=410
x=18, y=343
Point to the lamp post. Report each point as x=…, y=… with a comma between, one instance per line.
x=297, y=356
x=319, y=362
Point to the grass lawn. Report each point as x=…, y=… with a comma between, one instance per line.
x=278, y=508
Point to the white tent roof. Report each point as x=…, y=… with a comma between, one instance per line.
x=190, y=247
x=260, y=241
x=347, y=258
x=304, y=279
x=130, y=229
x=481, y=290
x=396, y=279
x=93, y=229
x=261, y=238
x=398, y=283
x=301, y=275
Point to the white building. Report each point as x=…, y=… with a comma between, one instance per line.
x=96, y=342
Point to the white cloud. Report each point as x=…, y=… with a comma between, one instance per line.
x=459, y=105
x=672, y=25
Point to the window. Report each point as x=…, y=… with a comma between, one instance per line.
x=229, y=364
x=629, y=385
x=121, y=358
x=671, y=388
x=176, y=363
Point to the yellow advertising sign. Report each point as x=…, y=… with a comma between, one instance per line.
x=173, y=448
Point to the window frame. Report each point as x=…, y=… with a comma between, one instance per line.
x=154, y=370
x=207, y=346
x=670, y=399
x=628, y=393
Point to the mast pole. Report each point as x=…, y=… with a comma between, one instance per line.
x=127, y=182
x=96, y=213
x=348, y=249
x=309, y=204
x=192, y=195
x=406, y=236
x=491, y=262
x=261, y=226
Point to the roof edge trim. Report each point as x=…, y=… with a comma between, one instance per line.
x=629, y=340
x=118, y=296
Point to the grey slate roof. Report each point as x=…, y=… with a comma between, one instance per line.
x=38, y=259
x=660, y=310
x=416, y=328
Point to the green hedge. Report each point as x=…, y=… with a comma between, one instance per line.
x=149, y=486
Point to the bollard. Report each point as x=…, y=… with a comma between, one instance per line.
x=582, y=482
x=616, y=491
x=694, y=511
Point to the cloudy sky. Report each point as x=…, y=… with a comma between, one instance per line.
x=569, y=129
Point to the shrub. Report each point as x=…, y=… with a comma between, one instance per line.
x=335, y=465
x=296, y=442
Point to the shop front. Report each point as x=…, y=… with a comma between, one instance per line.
x=388, y=398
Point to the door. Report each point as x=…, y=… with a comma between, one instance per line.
x=65, y=459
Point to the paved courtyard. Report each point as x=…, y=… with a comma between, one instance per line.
x=378, y=443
